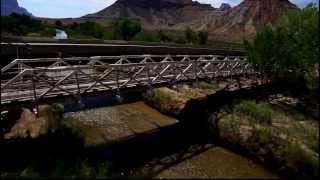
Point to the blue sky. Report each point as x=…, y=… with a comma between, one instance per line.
x=77, y=8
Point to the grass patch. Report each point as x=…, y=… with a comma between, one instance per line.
x=81, y=167
x=293, y=114
x=262, y=113
x=264, y=135
x=288, y=139
x=214, y=87
x=295, y=124
x=300, y=161
x=312, y=143
x=162, y=98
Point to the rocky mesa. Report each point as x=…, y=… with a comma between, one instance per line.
x=249, y=15
x=11, y=6
x=237, y=22
x=155, y=12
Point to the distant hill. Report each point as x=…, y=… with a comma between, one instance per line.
x=11, y=6
x=155, y=12
x=224, y=22
x=244, y=19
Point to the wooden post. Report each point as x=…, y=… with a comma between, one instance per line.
x=196, y=72
x=17, y=52
x=118, y=84
x=35, y=94
x=79, y=90
x=148, y=74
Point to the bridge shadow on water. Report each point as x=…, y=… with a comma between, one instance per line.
x=145, y=155
x=142, y=155
x=150, y=153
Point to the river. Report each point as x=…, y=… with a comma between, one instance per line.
x=141, y=142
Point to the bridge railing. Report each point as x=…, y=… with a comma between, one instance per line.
x=34, y=84
x=19, y=65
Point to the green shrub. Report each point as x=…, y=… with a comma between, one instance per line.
x=261, y=112
x=300, y=161
x=204, y=85
x=89, y=29
x=162, y=98
x=190, y=35
x=158, y=98
x=58, y=24
x=29, y=172
x=180, y=40
x=202, y=37
x=125, y=28
x=163, y=37
x=264, y=135
x=146, y=37
x=20, y=24
x=313, y=143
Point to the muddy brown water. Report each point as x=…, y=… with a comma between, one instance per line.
x=141, y=142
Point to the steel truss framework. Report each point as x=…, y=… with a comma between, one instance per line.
x=36, y=79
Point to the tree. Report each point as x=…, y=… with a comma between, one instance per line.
x=290, y=49
x=88, y=29
x=190, y=35
x=125, y=28
x=146, y=37
x=58, y=24
x=74, y=26
x=163, y=37
x=202, y=37
x=20, y=24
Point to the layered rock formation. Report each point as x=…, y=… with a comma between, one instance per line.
x=248, y=16
x=155, y=12
x=237, y=22
x=224, y=7
x=11, y=6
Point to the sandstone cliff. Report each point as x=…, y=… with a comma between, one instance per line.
x=12, y=6
x=224, y=22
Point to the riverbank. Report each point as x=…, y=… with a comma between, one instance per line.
x=271, y=129
x=135, y=140
x=127, y=140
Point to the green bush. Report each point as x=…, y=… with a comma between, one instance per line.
x=262, y=113
x=180, y=40
x=163, y=37
x=190, y=35
x=125, y=28
x=20, y=24
x=300, y=161
x=203, y=37
x=289, y=50
x=58, y=24
x=162, y=98
x=204, y=85
x=29, y=172
x=86, y=29
x=313, y=143
x=82, y=167
x=264, y=135
x=146, y=37
x=159, y=99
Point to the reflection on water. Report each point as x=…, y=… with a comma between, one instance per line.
x=141, y=142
